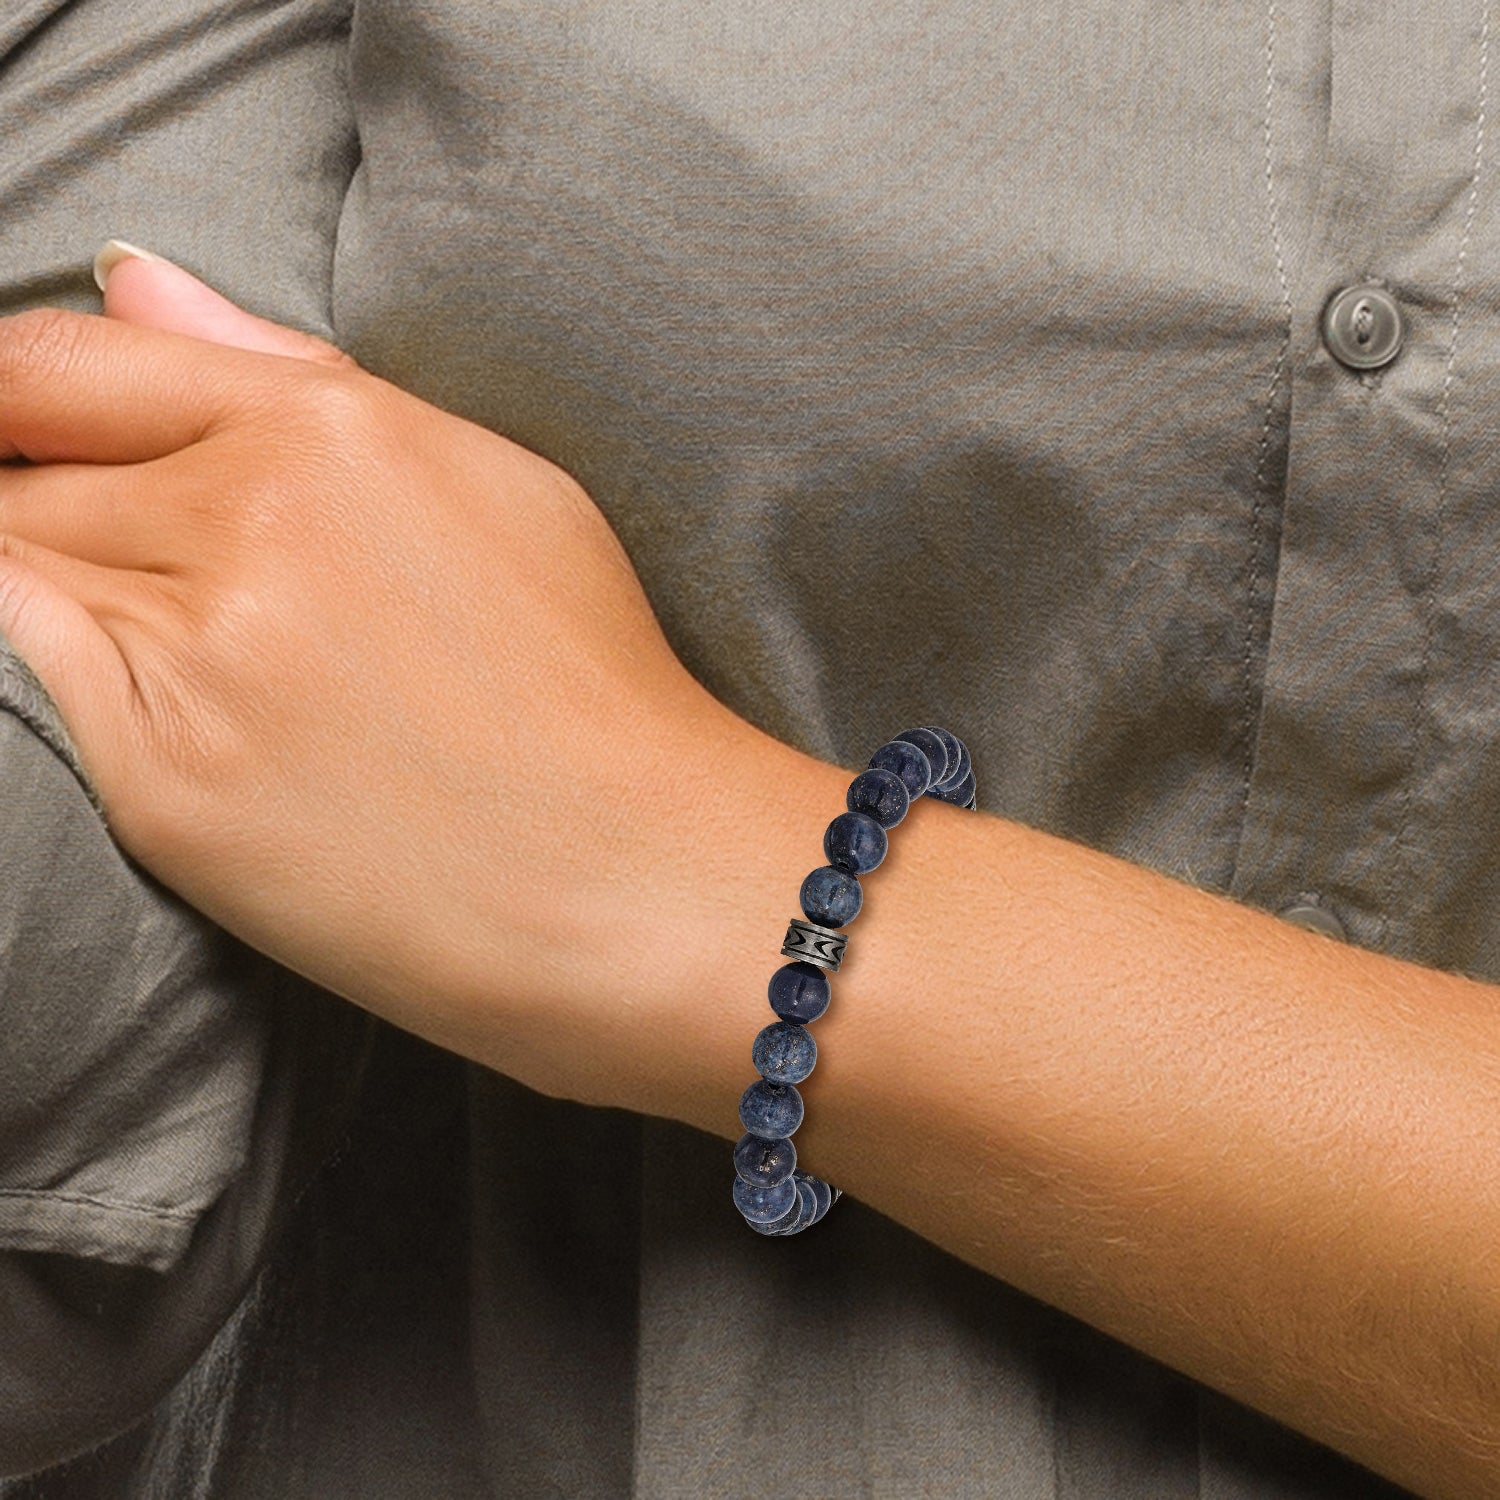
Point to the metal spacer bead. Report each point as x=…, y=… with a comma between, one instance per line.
x=823, y=946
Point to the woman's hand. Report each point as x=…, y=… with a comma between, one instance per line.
x=375, y=688
x=380, y=691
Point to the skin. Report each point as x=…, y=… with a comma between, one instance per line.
x=392, y=706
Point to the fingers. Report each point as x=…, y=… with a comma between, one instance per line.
x=98, y=514
x=85, y=388
x=102, y=407
x=51, y=612
x=97, y=590
x=143, y=289
x=165, y=366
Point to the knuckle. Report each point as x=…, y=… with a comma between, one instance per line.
x=334, y=402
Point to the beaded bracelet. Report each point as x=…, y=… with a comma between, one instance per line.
x=774, y=1196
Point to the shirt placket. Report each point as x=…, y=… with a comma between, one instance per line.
x=1338, y=817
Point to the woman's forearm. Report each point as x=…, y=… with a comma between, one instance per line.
x=1264, y=1157
x=395, y=709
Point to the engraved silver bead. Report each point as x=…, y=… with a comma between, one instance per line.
x=823, y=946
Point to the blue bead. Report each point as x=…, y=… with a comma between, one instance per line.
x=764, y=1163
x=831, y=897
x=807, y=1205
x=855, y=842
x=765, y=1205
x=791, y=1217
x=954, y=747
x=823, y=1194
x=784, y=1053
x=799, y=991
x=908, y=762
x=771, y=1110
x=933, y=746
x=958, y=762
x=879, y=794
x=961, y=792
x=965, y=766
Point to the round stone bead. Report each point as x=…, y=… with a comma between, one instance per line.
x=771, y=1110
x=791, y=1216
x=879, y=794
x=831, y=897
x=908, y=762
x=855, y=842
x=958, y=765
x=784, y=1053
x=799, y=991
x=764, y=1163
x=960, y=793
x=933, y=746
x=765, y=1205
x=807, y=1205
x=965, y=766
x=823, y=1194
x=954, y=746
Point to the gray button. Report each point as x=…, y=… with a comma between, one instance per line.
x=1314, y=919
x=1363, y=327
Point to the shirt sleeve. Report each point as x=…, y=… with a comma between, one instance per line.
x=130, y=1051
x=163, y=1091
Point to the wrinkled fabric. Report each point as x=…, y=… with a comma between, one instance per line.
x=935, y=362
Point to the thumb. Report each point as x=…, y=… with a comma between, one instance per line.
x=140, y=287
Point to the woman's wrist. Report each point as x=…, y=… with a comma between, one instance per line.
x=717, y=883
x=704, y=936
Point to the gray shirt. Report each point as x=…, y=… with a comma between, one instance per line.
x=935, y=362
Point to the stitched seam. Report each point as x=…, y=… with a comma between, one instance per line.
x=82, y=1200
x=1258, y=507
x=1402, y=862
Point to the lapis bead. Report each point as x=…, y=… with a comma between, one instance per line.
x=933, y=746
x=784, y=1053
x=823, y=1194
x=908, y=762
x=831, y=897
x=879, y=794
x=799, y=992
x=807, y=1205
x=764, y=1163
x=959, y=763
x=954, y=747
x=765, y=1205
x=771, y=1110
x=965, y=766
x=855, y=842
x=790, y=1217
x=961, y=792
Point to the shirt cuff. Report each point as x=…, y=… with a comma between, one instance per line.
x=132, y=1032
